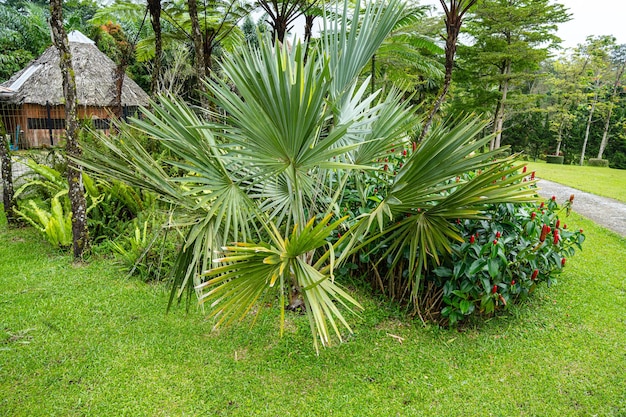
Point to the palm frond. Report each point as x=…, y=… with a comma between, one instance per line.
x=248, y=271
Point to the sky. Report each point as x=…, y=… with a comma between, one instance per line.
x=589, y=17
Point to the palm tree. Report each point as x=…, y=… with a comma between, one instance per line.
x=454, y=13
x=408, y=58
x=263, y=187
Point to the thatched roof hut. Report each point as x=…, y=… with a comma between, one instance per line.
x=31, y=101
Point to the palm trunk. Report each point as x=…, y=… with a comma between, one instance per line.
x=453, y=20
x=120, y=72
x=308, y=33
x=155, y=19
x=605, y=134
x=196, y=35
x=7, y=181
x=593, y=108
x=80, y=235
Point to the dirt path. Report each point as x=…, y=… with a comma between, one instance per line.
x=606, y=212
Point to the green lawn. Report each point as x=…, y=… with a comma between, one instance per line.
x=606, y=182
x=83, y=340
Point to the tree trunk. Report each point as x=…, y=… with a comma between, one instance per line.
x=453, y=20
x=7, y=181
x=499, y=117
x=280, y=28
x=559, y=139
x=196, y=35
x=76, y=195
x=308, y=33
x=207, y=45
x=607, y=124
x=120, y=71
x=593, y=108
x=154, y=6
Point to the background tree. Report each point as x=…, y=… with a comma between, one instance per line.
x=80, y=235
x=509, y=40
x=563, y=83
x=281, y=14
x=596, y=54
x=619, y=63
x=24, y=35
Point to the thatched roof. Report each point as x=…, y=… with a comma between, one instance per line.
x=5, y=92
x=40, y=81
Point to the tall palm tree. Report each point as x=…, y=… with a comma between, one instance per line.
x=263, y=187
x=454, y=11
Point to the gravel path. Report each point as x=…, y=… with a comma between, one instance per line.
x=606, y=212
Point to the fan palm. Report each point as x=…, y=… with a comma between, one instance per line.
x=262, y=186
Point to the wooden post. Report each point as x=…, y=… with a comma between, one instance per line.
x=49, y=123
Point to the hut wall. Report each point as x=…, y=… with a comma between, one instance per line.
x=43, y=127
x=13, y=120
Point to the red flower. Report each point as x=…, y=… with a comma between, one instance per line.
x=562, y=261
x=404, y=152
x=558, y=223
x=545, y=229
x=498, y=235
x=524, y=170
x=472, y=239
x=553, y=198
x=512, y=282
x=542, y=205
x=564, y=226
x=571, y=198
x=581, y=230
x=494, y=289
x=386, y=167
x=414, y=145
x=532, y=175
x=534, y=275
x=556, y=237
x=495, y=241
x=533, y=215
x=392, y=150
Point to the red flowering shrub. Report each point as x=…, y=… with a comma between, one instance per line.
x=504, y=258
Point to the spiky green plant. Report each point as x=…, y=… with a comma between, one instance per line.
x=257, y=187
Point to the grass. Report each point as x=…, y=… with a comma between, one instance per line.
x=606, y=182
x=82, y=340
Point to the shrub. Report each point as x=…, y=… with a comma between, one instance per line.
x=618, y=160
x=147, y=250
x=43, y=202
x=504, y=258
x=595, y=162
x=555, y=159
